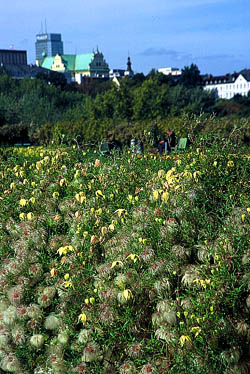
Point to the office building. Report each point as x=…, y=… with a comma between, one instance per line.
x=48, y=45
x=12, y=57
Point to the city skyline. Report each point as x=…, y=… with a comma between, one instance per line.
x=213, y=34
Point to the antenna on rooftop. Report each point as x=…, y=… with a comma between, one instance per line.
x=45, y=26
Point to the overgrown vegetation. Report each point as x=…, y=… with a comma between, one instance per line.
x=128, y=264
x=38, y=112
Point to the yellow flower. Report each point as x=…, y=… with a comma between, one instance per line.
x=196, y=330
x=32, y=200
x=161, y=173
x=98, y=193
x=62, y=182
x=133, y=257
x=248, y=210
x=243, y=217
x=22, y=202
x=92, y=300
x=111, y=227
x=62, y=251
x=127, y=294
x=22, y=216
x=115, y=263
x=55, y=195
x=130, y=197
x=230, y=164
x=98, y=212
x=82, y=318
x=30, y=216
x=80, y=197
x=68, y=284
x=119, y=212
x=38, y=165
x=66, y=276
x=86, y=301
x=104, y=230
x=77, y=174
x=124, y=296
x=77, y=214
x=183, y=339
x=53, y=272
x=156, y=195
x=165, y=196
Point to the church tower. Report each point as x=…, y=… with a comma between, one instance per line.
x=129, y=72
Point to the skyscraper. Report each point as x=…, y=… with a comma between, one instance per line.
x=48, y=45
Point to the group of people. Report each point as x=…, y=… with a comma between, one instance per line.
x=164, y=145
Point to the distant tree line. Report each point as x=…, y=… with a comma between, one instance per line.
x=45, y=108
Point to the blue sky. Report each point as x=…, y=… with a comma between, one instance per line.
x=214, y=34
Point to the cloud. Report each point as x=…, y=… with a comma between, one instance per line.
x=175, y=55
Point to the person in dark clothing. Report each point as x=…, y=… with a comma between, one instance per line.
x=171, y=139
x=114, y=143
x=168, y=142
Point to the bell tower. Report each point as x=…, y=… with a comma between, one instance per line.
x=129, y=72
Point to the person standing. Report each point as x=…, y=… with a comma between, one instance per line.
x=168, y=142
x=171, y=140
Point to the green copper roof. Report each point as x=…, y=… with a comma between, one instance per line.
x=69, y=62
x=82, y=61
x=73, y=63
x=47, y=62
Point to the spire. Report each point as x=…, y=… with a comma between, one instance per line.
x=129, y=65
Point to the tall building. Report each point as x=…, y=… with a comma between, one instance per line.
x=48, y=45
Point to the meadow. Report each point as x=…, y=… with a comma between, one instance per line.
x=126, y=264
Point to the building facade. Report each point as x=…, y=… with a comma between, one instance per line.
x=169, y=71
x=229, y=85
x=12, y=57
x=91, y=65
x=48, y=45
x=14, y=64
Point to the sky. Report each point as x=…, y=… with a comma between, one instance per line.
x=213, y=34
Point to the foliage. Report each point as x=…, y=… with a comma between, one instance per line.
x=128, y=264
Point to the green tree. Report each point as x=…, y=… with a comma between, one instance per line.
x=190, y=77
